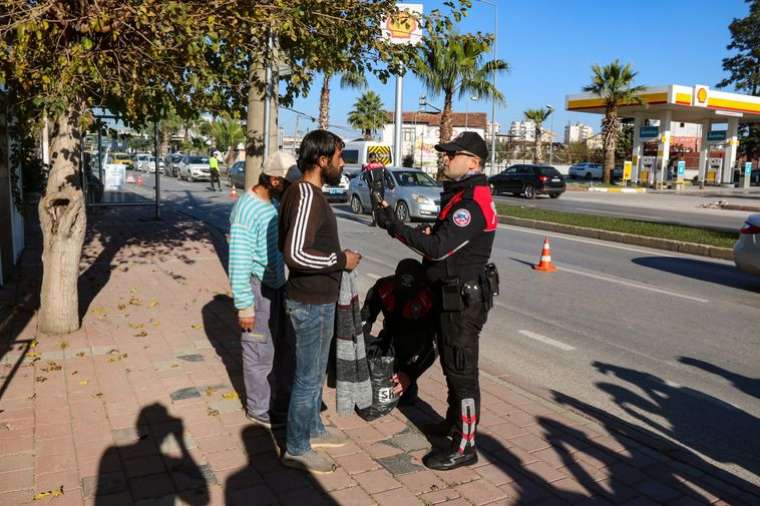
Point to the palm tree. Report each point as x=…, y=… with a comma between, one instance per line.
x=449, y=63
x=349, y=79
x=368, y=114
x=614, y=84
x=537, y=116
x=227, y=132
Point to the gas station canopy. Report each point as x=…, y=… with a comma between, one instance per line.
x=690, y=104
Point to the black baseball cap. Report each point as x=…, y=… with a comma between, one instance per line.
x=466, y=141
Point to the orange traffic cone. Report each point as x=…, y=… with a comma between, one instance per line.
x=139, y=180
x=233, y=193
x=546, y=265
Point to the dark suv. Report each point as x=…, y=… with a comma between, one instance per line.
x=529, y=181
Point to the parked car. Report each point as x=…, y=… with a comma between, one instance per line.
x=236, y=174
x=528, y=181
x=172, y=164
x=586, y=170
x=410, y=192
x=142, y=160
x=747, y=248
x=120, y=159
x=339, y=192
x=194, y=168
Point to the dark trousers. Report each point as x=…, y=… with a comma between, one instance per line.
x=458, y=346
x=215, y=179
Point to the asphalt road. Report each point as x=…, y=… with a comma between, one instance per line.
x=660, y=208
x=668, y=342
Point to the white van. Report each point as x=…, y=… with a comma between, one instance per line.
x=356, y=155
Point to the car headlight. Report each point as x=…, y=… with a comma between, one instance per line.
x=421, y=199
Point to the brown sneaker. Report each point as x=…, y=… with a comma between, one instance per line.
x=310, y=461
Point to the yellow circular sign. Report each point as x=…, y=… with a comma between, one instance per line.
x=702, y=95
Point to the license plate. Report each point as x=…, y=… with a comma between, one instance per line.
x=555, y=180
x=334, y=190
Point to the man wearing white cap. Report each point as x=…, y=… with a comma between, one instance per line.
x=257, y=278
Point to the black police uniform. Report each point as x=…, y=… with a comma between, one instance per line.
x=406, y=303
x=456, y=254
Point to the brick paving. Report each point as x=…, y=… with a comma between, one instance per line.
x=142, y=406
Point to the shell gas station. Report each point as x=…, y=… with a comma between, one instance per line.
x=671, y=105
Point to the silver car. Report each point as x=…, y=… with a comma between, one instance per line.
x=410, y=192
x=747, y=248
x=194, y=168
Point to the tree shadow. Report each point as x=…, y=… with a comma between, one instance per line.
x=153, y=460
x=750, y=386
x=705, y=424
x=579, y=463
x=712, y=272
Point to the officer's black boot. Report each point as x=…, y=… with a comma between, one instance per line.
x=462, y=452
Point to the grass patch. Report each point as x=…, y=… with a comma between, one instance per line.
x=611, y=224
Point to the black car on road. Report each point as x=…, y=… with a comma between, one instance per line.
x=528, y=180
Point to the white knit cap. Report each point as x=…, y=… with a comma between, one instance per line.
x=278, y=164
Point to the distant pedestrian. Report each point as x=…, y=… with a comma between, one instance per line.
x=311, y=248
x=374, y=173
x=257, y=278
x=213, y=165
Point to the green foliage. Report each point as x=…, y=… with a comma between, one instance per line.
x=368, y=114
x=743, y=68
x=226, y=131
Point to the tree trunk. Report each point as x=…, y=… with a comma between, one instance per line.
x=324, y=102
x=446, y=128
x=254, y=125
x=537, y=154
x=367, y=134
x=63, y=221
x=610, y=132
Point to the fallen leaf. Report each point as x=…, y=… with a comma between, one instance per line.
x=213, y=412
x=33, y=396
x=63, y=344
x=34, y=343
x=50, y=493
x=32, y=354
x=153, y=303
x=41, y=379
x=230, y=396
x=75, y=373
x=142, y=333
x=122, y=307
x=81, y=354
x=196, y=325
x=135, y=301
x=136, y=325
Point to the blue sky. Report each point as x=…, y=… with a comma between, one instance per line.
x=551, y=45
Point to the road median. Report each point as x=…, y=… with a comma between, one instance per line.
x=681, y=239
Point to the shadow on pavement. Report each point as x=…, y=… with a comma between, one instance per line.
x=711, y=272
x=223, y=332
x=171, y=470
x=750, y=386
x=705, y=424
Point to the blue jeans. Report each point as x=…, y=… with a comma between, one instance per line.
x=314, y=326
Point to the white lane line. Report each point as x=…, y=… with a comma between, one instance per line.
x=373, y=275
x=623, y=282
x=546, y=340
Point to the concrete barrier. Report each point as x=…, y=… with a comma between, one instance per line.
x=690, y=248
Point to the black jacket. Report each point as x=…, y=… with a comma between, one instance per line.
x=462, y=237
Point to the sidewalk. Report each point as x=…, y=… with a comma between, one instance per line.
x=142, y=406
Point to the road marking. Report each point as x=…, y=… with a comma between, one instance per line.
x=373, y=275
x=623, y=282
x=546, y=340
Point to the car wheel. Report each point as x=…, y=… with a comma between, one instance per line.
x=356, y=205
x=529, y=192
x=402, y=212
x=555, y=195
x=588, y=176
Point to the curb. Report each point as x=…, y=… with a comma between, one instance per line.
x=736, y=207
x=689, y=248
x=617, y=190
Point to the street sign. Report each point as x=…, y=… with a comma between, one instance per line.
x=649, y=132
x=716, y=136
x=404, y=28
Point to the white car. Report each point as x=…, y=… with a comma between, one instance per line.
x=194, y=168
x=338, y=193
x=586, y=170
x=747, y=248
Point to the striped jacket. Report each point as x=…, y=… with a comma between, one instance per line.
x=310, y=245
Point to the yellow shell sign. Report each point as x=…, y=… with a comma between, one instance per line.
x=701, y=94
x=404, y=27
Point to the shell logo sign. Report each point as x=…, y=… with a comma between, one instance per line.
x=701, y=95
x=404, y=27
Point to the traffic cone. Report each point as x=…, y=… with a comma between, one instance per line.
x=233, y=193
x=139, y=180
x=546, y=265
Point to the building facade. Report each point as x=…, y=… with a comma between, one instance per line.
x=11, y=220
x=577, y=132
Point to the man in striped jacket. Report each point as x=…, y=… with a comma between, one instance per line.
x=257, y=278
x=311, y=248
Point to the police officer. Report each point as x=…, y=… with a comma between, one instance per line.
x=456, y=250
